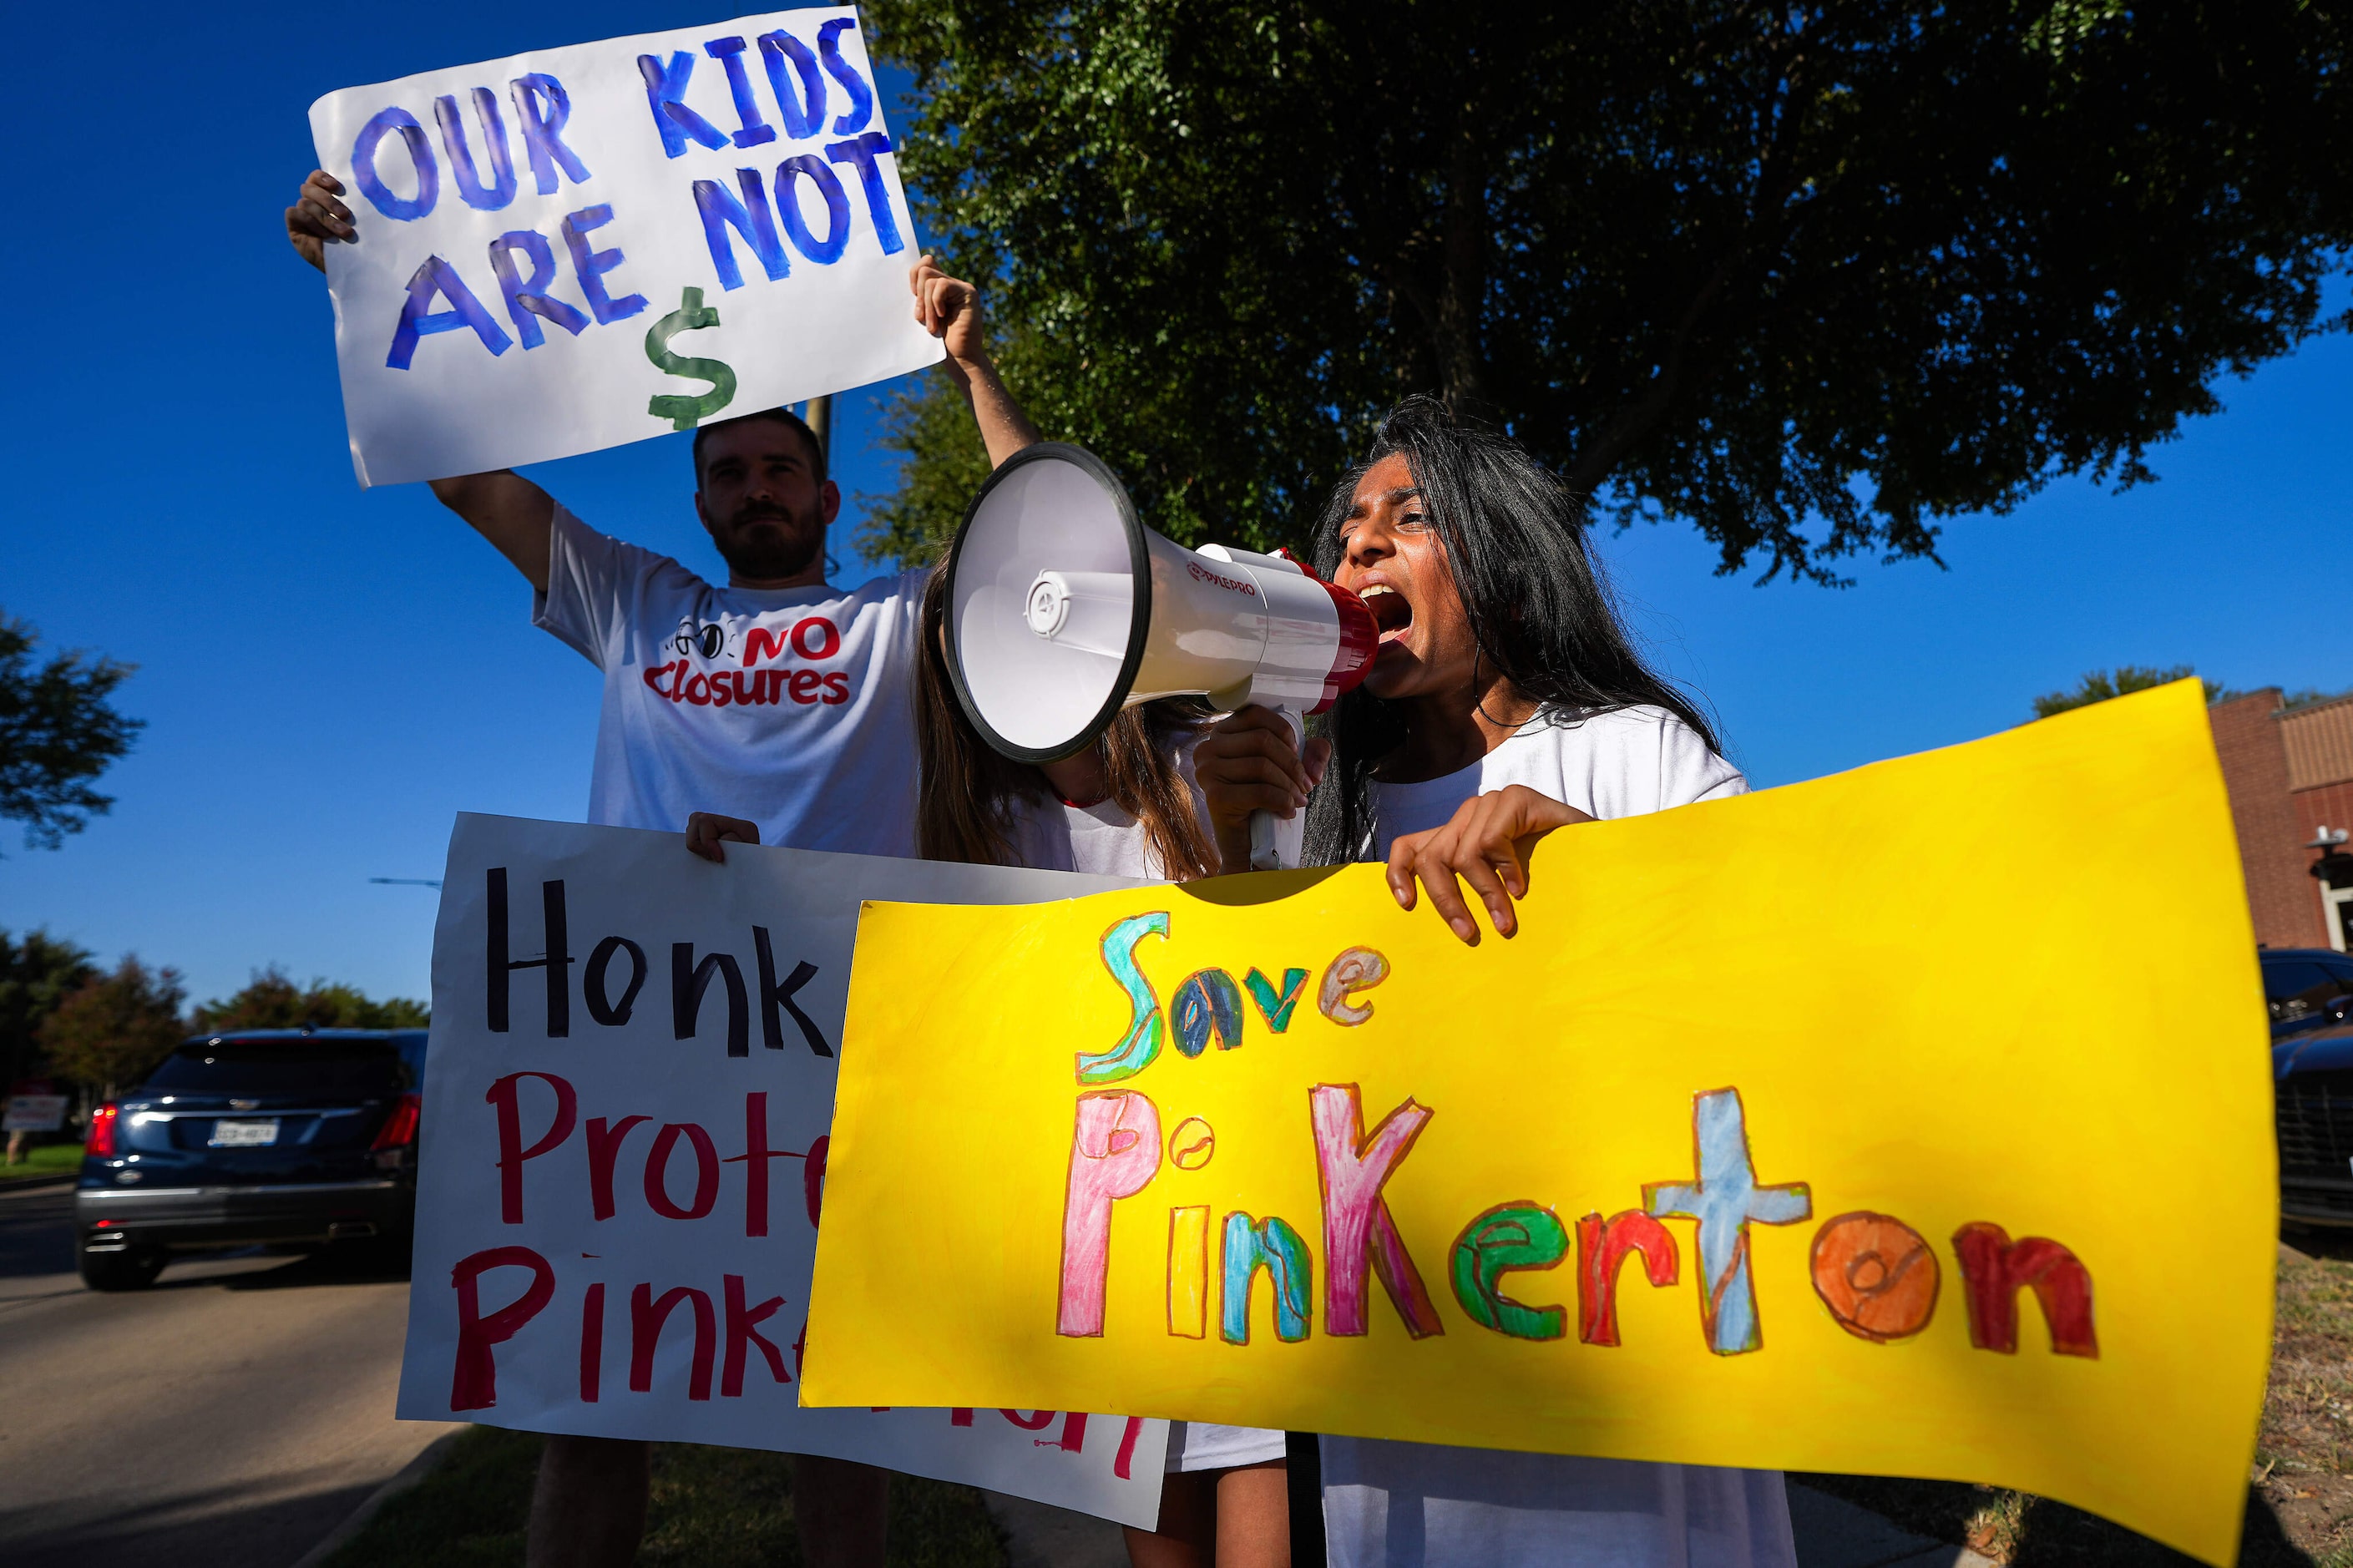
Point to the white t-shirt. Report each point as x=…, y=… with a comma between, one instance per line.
x=1419, y=1505
x=1101, y=839
x=1621, y=763
x=789, y=706
x=1052, y=835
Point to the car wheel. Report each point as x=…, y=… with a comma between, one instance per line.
x=131, y=1269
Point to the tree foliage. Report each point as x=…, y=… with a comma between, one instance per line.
x=931, y=427
x=1810, y=279
x=36, y=973
x=272, y=1001
x=2099, y=685
x=58, y=733
x=113, y=1030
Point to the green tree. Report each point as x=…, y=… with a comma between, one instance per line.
x=112, y=1031
x=58, y=731
x=1810, y=279
x=2099, y=685
x=36, y=973
x=272, y=1001
x=944, y=462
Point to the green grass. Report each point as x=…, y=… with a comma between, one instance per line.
x=711, y=1508
x=47, y=1160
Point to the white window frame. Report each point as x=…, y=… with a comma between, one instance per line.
x=2335, y=914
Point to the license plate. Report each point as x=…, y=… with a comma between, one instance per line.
x=243, y=1134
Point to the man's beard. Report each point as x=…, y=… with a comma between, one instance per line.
x=770, y=553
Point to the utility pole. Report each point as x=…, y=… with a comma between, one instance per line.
x=819, y=419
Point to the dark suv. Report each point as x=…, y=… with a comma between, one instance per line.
x=292, y=1137
x=2310, y=994
x=2307, y=988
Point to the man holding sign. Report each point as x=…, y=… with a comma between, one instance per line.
x=777, y=695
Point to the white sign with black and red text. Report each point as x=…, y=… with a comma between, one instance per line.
x=34, y=1113
x=626, y=1097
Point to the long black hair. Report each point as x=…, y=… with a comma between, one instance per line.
x=1541, y=613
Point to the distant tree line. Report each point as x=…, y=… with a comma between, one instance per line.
x=64, y=1017
x=2100, y=685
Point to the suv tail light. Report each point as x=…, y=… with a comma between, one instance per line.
x=399, y=1129
x=100, y=1144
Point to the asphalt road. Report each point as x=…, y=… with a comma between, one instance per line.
x=232, y=1414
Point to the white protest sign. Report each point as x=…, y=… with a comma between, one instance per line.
x=578, y=248
x=34, y=1113
x=626, y=1097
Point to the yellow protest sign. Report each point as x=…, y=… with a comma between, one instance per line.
x=1911, y=1122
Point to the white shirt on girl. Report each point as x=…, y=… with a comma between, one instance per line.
x=1419, y=1505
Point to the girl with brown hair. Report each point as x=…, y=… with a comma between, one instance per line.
x=1122, y=807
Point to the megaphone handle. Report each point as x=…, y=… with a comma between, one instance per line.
x=1264, y=854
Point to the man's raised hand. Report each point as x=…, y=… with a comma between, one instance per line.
x=949, y=309
x=317, y=219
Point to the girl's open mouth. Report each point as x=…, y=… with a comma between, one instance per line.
x=1391, y=612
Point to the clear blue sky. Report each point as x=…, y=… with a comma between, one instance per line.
x=329, y=674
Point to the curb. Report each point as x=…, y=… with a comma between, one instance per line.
x=29, y=1187
x=409, y=1475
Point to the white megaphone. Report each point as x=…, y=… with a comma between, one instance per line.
x=1062, y=608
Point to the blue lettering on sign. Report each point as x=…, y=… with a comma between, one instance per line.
x=804, y=111
x=592, y=265
x=826, y=251
x=527, y=297
x=500, y=190
x=420, y=320
x=729, y=53
x=862, y=152
x=541, y=106
x=665, y=86
x=749, y=217
x=420, y=154
x=861, y=96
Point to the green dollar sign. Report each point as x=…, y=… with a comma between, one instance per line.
x=683, y=413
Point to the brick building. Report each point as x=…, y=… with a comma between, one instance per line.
x=2290, y=774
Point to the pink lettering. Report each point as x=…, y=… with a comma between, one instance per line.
x=706, y=1171
x=1358, y=1234
x=1114, y=1151
x=512, y=1154
x=474, y=1380
x=592, y=1342
x=604, y=1150
x=742, y=1334
x=646, y=1316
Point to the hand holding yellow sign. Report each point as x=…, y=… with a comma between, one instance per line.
x=1911, y=1122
